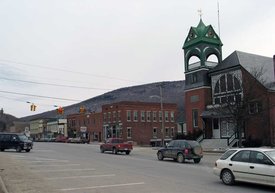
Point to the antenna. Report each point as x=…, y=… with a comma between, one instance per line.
x=200, y=13
x=219, y=18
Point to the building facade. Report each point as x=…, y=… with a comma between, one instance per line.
x=56, y=127
x=86, y=125
x=139, y=122
x=231, y=99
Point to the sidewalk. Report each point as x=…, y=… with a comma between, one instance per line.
x=17, y=178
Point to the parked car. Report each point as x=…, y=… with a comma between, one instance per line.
x=15, y=141
x=61, y=139
x=116, y=145
x=77, y=140
x=255, y=165
x=181, y=150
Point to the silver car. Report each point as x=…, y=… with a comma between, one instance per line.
x=255, y=165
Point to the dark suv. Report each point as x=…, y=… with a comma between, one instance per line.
x=181, y=150
x=15, y=141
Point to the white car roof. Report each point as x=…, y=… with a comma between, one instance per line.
x=255, y=148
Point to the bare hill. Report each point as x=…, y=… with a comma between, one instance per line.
x=6, y=120
x=173, y=92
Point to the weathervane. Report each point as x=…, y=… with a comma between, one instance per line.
x=200, y=13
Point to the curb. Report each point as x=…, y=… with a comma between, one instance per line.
x=3, y=186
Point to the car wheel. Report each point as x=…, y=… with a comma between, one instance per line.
x=18, y=149
x=114, y=150
x=227, y=177
x=180, y=158
x=197, y=160
x=128, y=152
x=28, y=150
x=101, y=150
x=160, y=155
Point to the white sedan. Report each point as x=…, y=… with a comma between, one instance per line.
x=255, y=165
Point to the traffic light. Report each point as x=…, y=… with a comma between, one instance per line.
x=82, y=109
x=33, y=107
x=60, y=110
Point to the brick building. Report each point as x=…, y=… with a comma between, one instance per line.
x=140, y=122
x=214, y=85
x=85, y=125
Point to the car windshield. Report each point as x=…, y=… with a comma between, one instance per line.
x=271, y=154
x=23, y=137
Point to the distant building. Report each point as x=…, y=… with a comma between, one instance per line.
x=140, y=122
x=56, y=127
x=86, y=125
x=38, y=128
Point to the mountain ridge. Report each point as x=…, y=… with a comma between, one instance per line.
x=172, y=92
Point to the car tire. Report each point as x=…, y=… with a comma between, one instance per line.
x=197, y=160
x=127, y=152
x=114, y=150
x=101, y=150
x=2, y=149
x=227, y=177
x=160, y=155
x=180, y=158
x=28, y=150
x=18, y=149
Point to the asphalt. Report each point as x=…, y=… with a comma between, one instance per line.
x=17, y=178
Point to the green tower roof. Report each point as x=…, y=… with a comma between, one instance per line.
x=202, y=33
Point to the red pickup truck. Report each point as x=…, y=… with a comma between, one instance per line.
x=116, y=145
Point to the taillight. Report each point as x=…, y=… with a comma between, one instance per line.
x=186, y=151
x=118, y=146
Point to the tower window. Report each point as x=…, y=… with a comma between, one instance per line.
x=194, y=78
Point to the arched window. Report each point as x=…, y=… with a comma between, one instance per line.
x=194, y=62
x=227, y=89
x=212, y=60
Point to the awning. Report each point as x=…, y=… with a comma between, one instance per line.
x=153, y=140
x=214, y=114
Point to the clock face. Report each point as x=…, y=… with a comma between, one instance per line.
x=191, y=35
x=210, y=33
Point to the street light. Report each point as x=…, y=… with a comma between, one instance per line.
x=162, y=114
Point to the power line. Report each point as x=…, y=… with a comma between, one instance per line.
x=39, y=96
x=51, y=84
x=70, y=71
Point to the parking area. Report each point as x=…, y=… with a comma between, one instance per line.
x=24, y=173
x=43, y=171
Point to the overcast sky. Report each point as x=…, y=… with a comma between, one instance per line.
x=79, y=49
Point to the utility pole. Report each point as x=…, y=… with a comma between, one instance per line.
x=161, y=108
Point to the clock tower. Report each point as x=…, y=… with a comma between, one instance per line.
x=201, y=45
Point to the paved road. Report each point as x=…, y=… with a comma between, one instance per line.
x=81, y=168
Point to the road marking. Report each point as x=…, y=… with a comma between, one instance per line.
x=18, y=156
x=104, y=186
x=72, y=177
x=43, y=150
x=65, y=170
x=55, y=165
x=33, y=161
